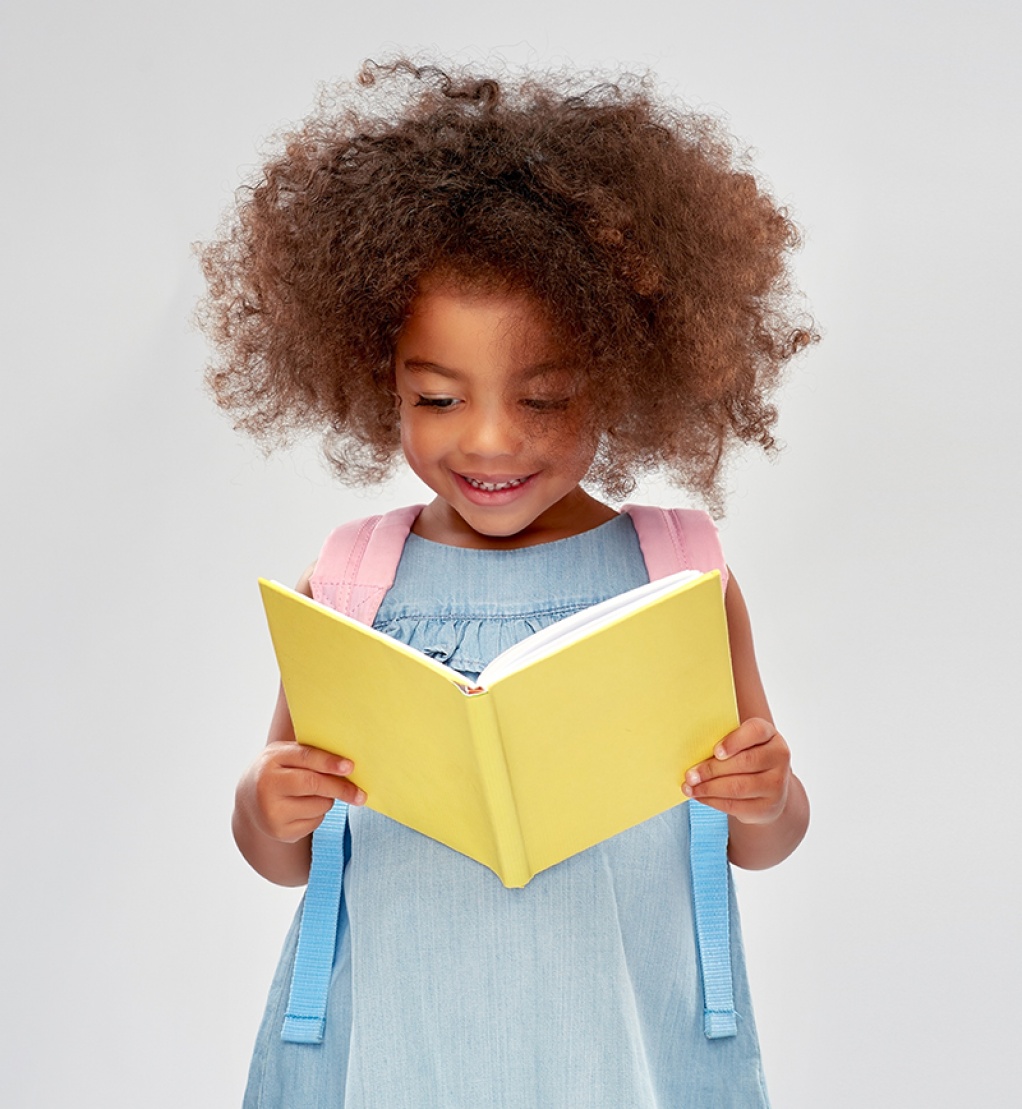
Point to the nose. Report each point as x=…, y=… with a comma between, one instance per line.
x=491, y=432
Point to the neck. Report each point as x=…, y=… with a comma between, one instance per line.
x=575, y=514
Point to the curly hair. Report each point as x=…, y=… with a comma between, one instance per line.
x=638, y=228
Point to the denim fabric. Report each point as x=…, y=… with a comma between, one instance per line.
x=580, y=991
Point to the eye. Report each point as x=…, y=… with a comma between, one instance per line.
x=440, y=403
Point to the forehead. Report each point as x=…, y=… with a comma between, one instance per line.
x=448, y=325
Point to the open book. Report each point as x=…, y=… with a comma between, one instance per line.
x=576, y=733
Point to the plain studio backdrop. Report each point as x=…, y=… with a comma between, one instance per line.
x=877, y=555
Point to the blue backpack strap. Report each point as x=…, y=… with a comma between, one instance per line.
x=685, y=539
x=305, y=1022
x=708, y=860
x=355, y=569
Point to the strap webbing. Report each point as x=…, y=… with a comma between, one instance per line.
x=317, y=936
x=708, y=860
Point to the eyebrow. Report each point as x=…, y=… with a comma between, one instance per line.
x=421, y=366
x=527, y=373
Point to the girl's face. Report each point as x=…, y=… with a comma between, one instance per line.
x=490, y=423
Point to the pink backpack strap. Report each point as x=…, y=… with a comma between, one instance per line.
x=674, y=539
x=355, y=569
x=358, y=562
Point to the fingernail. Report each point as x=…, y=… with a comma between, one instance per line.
x=360, y=797
x=719, y=753
x=693, y=778
x=686, y=789
x=345, y=766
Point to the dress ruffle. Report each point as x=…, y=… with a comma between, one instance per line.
x=467, y=644
x=491, y=600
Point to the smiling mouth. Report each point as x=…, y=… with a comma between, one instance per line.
x=495, y=486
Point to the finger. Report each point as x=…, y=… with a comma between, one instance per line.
x=745, y=810
x=293, y=782
x=302, y=810
x=760, y=747
x=763, y=785
x=753, y=732
x=290, y=818
x=308, y=783
x=754, y=760
x=312, y=758
x=301, y=825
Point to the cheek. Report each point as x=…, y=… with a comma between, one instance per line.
x=409, y=440
x=571, y=440
x=421, y=437
x=569, y=453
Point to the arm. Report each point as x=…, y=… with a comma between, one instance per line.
x=750, y=779
x=284, y=795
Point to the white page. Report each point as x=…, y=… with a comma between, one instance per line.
x=547, y=640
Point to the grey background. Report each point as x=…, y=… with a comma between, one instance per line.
x=877, y=556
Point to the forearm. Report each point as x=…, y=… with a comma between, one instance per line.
x=760, y=846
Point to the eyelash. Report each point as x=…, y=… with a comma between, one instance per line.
x=440, y=403
x=443, y=404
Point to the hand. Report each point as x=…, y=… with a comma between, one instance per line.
x=290, y=788
x=749, y=776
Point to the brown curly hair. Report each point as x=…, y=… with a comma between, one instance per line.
x=638, y=228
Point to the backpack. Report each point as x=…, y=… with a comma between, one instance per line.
x=355, y=569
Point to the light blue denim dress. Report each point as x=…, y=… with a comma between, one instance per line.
x=580, y=991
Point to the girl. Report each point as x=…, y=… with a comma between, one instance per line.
x=520, y=289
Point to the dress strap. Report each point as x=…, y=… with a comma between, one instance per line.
x=686, y=539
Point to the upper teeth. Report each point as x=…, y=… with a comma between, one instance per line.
x=494, y=486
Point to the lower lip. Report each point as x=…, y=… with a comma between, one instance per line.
x=493, y=496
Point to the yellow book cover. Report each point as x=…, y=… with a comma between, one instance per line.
x=573, y=735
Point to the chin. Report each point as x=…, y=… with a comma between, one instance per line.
x=495, y=529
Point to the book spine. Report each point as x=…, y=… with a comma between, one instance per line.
x=514, y=870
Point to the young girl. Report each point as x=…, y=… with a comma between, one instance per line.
x=524, y=290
